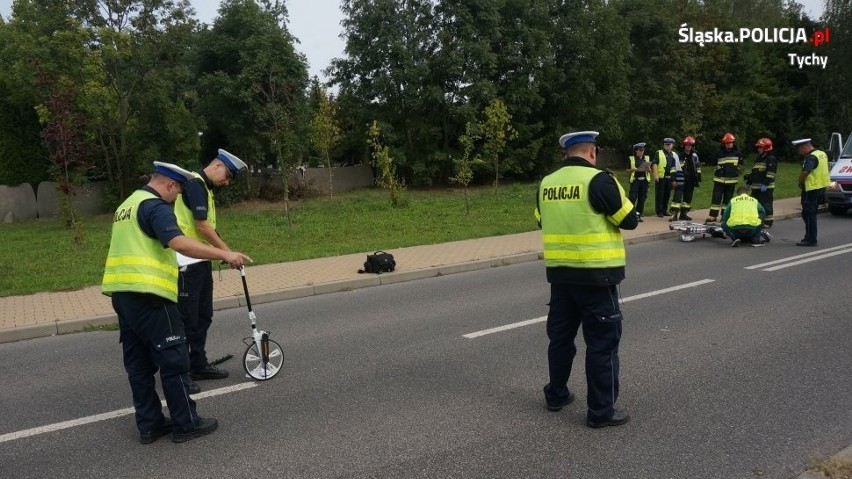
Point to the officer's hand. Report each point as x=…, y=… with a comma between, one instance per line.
x=236, y=260
x=763, y=188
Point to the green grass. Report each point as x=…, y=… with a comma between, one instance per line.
x=41, y=256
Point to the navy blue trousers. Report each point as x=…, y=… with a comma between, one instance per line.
x=152, y=339
x=810, y=202
x=596, y=309
x=195, y=303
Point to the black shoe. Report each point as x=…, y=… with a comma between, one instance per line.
x=555, y=403
x=165, y=428
x=618, y=418
x=660, y=215
x=806, y=243
x=735, y=243
x=685, y=217
x=194, y=388
x=208, y=372
x=641, y=220
x=204, y=427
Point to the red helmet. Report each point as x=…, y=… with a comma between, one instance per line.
x=764, y=143
x=689, y=140
x=729, y=138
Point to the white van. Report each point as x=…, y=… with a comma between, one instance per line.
x=839, y=191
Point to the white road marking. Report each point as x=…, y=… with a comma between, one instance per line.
x=112, y=414
x=528, y=322
x=806, y=255
x=808, y=260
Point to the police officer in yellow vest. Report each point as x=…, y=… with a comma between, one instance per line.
x=196, y=213
x=662, y=166
x=640, y=177
x=813, y=180
x=141, y=276
x=580, y=210
x=743, y=219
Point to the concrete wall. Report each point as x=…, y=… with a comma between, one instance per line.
x=17, y=203
x=89, y=200
x=344, y=178
x=21, y=202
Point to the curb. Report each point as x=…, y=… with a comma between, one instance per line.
x=54, y=328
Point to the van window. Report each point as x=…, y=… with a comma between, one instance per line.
x=847, y=148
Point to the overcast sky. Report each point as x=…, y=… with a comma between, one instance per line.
x=316, y=23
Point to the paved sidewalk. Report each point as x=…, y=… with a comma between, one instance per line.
x=46, y=314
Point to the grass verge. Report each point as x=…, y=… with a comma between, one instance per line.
x=42, y=256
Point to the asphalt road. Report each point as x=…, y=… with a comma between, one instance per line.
x=743, y=372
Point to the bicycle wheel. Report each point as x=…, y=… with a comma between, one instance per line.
x=253, y=361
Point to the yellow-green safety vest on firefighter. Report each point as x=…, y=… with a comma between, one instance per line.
x=186, y=221
x=744, y=211
x=136, y=262
x=574, y=234
x=818, y=178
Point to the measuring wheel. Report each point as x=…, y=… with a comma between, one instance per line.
x=263, y=358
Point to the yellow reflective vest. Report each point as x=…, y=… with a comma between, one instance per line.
x=136, y=262
x=574, y=234
x=186, y=221
x=645, y=161
x=818, y=177
x=744, y=211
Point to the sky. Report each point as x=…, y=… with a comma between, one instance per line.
x=316, y=23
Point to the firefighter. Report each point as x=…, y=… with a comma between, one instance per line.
x=762, y=177
x=729, y=163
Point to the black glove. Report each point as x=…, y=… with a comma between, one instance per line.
x=747, y=179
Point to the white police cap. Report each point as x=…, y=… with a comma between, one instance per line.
x=668, y=141
x=801, y=141
x=639, y=145
x=569, y=139
x=234, y=164
x=174, y=172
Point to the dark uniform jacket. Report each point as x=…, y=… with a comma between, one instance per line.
x=764, y=170
x=691, y=167
x=729, y=171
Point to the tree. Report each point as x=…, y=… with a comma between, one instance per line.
x=464, y=165
x=252, y=80
x=133, y=44
x=325, y=134
x=497, y=131
x=61, y=134
x=385, y=164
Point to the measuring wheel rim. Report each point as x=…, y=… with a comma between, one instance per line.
x=253, y=362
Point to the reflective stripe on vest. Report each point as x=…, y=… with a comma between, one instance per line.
x=186, y=221
x=573, y=233
x=137, y=262
x=818, y=178
x=744, y=212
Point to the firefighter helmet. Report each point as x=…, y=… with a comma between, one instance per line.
x=764, y=143
x=729, y=138
x=689, y=140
